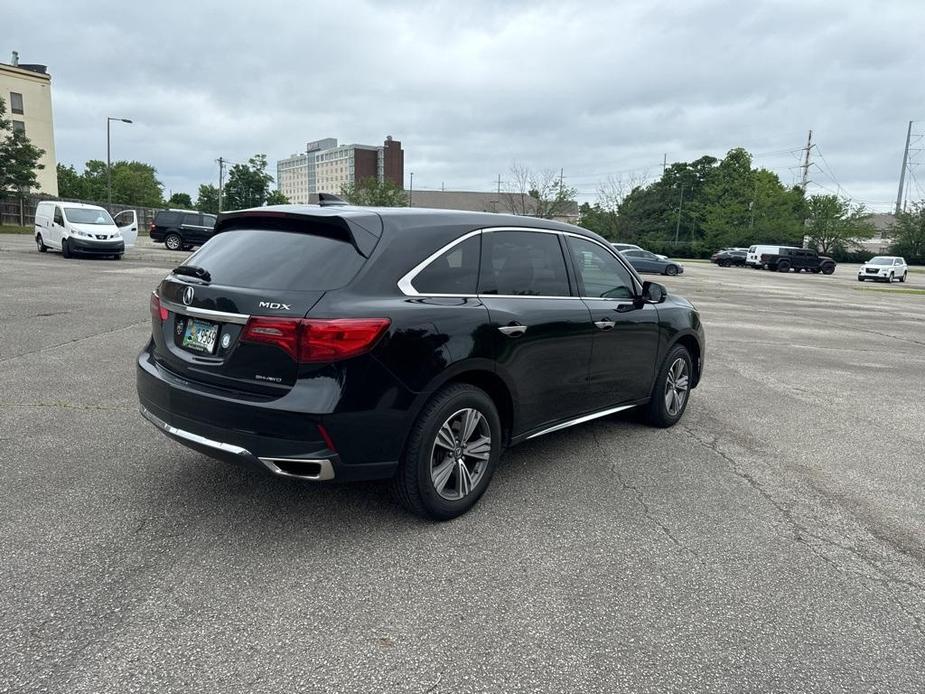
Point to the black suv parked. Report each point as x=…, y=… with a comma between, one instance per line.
x=797, y=259
x=180, y=230
x=347, y=343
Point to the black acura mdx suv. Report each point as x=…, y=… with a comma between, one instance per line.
x=342, y=343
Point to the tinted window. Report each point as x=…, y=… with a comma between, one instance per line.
x=284, y=260
x=523, y=263
x=192, y=219
x=168, y=218
x=208, y=220
x=59, y=219
x=454, y=272
x=634, y=254
x=601, y=275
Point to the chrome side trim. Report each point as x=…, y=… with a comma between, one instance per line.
x=326, y=468
x=580, y=420
x=223, y=316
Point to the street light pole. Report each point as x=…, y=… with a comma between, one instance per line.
x=109, y=119
x=411, y=191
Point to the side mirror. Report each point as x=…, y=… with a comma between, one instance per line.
x=653, y=292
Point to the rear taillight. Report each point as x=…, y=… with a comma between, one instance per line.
x=316, y=340
x=158, y=312
x=151, y=227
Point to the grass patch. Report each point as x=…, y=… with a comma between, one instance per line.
x=692, y=260
x=890, y=291
x=14, y=230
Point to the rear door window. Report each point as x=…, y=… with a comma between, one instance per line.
x=523, y=263
x=208, y=220
x=191, y=220
x=284, y=260
x=168, y=218
x=455, y=272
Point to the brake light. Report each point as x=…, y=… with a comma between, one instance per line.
x=158, y=312
x=316, y=340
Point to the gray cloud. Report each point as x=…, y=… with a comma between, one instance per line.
x=592, y=87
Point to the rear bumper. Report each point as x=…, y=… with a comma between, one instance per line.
x=268, y=434
x=79, y=245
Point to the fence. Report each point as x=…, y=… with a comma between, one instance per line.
x=20, y=211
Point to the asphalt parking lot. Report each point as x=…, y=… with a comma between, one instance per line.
x=773, y=541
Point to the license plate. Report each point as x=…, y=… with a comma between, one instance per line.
x=200, y=335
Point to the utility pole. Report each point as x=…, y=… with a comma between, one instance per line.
x=221, y=182
x=902, y=173
x=411, y=191
x=677, y=228
x=664, y=163
x=809, y=146
x=499, y=184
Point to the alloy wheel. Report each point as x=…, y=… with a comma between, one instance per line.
x=460, y=454
x=676, y=387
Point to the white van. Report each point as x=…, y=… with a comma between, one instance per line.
x=753, y=257
x=72, y=228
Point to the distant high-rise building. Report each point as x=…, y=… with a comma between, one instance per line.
x=326, y=167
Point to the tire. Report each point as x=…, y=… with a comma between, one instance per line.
x=40, y=244
x=658, y=413
x=890, y=280
x=671, y=270
x=723, y=264
x=173, y=242
x=414, y=483
x=903, y=278
x=828, y=269
x=66, y=248
x=783, y=267
x=860, y=279
x=117, y=256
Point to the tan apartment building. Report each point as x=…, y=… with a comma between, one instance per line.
x=26, y=90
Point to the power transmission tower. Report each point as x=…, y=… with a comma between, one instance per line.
x=902, y=173
x=809, y=146
x=221, y=181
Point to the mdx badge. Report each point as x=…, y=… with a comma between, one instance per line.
x=275, y=306
x=188, y=296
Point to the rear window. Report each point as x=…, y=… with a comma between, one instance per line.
x=284, y=260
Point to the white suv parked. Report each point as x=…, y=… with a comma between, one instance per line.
x=884, y=267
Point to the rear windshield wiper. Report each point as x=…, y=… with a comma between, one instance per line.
x=193, y=271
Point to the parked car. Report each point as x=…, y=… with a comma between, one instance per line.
x=884, y=268
x=338, y=342
x=78, y=229
x=798, y=259
x=633, y=247
x=753, y=257
x=729, y=257
x=646, y=261
x=180, y=230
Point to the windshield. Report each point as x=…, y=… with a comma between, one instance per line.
x=880, y=260
x=86, y=215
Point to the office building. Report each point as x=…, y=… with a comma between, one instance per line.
x=326, y=167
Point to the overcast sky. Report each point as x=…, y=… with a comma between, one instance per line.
x=595, y=88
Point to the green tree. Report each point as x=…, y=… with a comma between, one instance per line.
x=207, y=199
x=835, y=225
x=370, y=192
x=248, y=184
x=135, y=183
x=181, y=200
x=19, y=158
x=276, y=197
x=909, y=234
x=70, y=183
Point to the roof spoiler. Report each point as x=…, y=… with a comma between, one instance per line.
x=362, y=231
x=326, y=199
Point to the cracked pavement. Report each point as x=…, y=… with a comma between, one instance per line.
x=773, y=541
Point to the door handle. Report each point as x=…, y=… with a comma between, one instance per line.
x=514, y=330
x=604, y=324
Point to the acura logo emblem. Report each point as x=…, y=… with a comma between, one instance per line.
x=188, y=296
